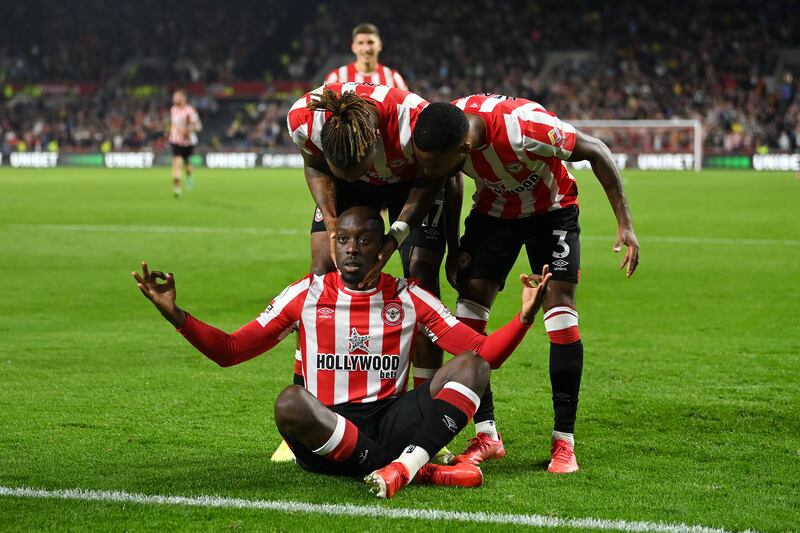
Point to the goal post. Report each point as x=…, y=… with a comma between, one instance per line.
x=651, y=144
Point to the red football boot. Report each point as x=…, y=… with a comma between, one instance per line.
x=481, y=448
x=562, y=458
x=387, y=481
x=457, y=475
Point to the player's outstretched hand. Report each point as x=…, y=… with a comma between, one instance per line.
x=161, y=294
x=385, y=253
x=533, y=293
x=626, y=237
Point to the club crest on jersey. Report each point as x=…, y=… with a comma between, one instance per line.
x=556, y=137
x=392, y=314
x=514, y=167
x=318, y=215
x=358, y=342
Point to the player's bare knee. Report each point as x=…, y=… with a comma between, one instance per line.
x=292, y=409
x=560, y=294
x=467, y=368
x=479, y=369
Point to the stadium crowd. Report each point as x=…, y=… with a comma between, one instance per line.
x=688, y=60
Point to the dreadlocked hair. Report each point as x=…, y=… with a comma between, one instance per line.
x=348, y=133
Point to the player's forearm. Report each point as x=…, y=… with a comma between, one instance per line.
x=420, y=200
x=323, y=190
x=494, y=348
x=500, y=344
x=453, y=200
x=607, y=173
x=227, y=349
x=175, y=316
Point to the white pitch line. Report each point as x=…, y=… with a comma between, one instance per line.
x=369, y=511
x=293, y=231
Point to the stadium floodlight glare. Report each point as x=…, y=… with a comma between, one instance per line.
x=690, y=125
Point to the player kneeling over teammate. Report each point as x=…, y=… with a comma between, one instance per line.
x=354, y=415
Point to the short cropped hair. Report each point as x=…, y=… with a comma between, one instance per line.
x=366, y=27
x=440, y=128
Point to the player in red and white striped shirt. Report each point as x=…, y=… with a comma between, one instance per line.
x=354, y=414
x=184, y=125
x=367, y=45
x=515, y=150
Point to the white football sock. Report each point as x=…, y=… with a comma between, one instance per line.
x=414, y=457
x=558, y=435
x=487, y=427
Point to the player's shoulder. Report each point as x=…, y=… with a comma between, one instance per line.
x=298, y=287
x=413, y=287
x=497, y=104
x=394, y=98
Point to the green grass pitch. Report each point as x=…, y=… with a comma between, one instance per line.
x=689, y=406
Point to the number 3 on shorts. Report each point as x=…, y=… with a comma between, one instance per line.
x=562, y=235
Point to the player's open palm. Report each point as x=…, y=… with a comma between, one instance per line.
x=534, y=290
x=161, y=294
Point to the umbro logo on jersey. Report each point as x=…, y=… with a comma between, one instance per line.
x=560, y=263
x=514, y=167
x=473, y=105
x=395, y=163
x=325, y=312
x=358, y=342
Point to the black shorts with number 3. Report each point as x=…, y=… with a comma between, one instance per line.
x=490, y=245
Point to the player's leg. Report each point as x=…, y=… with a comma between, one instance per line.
x=324, y=441
x=556, y=242
x=187, y=155
x=427, y=420
x=177, y=163
x=489, y=248
x=422, y=254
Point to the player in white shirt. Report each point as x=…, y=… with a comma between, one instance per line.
x=184, y=125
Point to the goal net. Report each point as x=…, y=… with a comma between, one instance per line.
x=650, y=144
